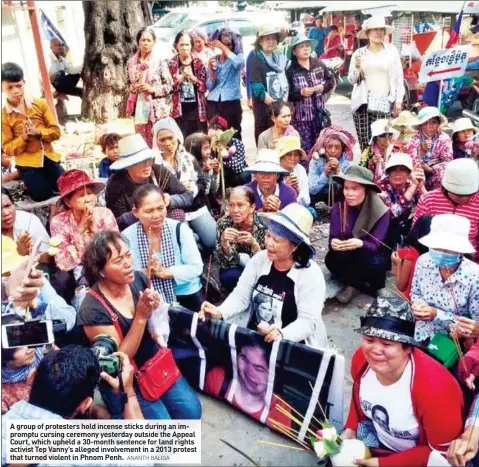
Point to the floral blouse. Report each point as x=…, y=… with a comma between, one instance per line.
x=199, y=71
x=258, y=232
x=440, y=155
x=457, y=296
x=72, y=244
x=395, y=200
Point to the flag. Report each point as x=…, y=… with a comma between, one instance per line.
x=49, y=31
x=453, y=38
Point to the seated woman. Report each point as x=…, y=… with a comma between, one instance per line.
x=431, y=148
x=403, y=124
x=379, y=149
x=121, y=291
x=135, y=167
x=445, y=286
x=177, y=266
x=270, y=191
x=397, y=391
x=401, y=188
x=290, y=154
x=168, y=139
x=239, y=236
x=281, y=288
x=331, y=155
x=358, y=226
x=76, y=226
x=462, y=132
x=280, y=113
x=234, y=161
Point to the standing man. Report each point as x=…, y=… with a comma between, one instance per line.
x=319, y=33
x=28, y=129
x=63, y=75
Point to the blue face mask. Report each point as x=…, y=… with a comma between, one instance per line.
x=444, y=260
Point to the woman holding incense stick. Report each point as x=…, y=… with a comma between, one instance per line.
x=357, y=256
x=445, y=286
x=176, y=264
x=398, y=390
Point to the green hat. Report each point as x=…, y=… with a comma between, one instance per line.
x=389, y=318
x=299, y=39
x=358, y=174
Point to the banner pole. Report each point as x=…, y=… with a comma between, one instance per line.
x=440, y=95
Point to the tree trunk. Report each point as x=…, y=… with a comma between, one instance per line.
x=110, y=29
x=146, y=8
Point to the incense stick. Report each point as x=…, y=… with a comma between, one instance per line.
x=294, y=410
x=240, y=452
x=294, y=419
x=400, y=295
x=377, y=239
x=279, y=445
x=286, y=431
x=208, y=276
x=319, y=405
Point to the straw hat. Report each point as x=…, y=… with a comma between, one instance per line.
x=358, y=174
x=300, y=39
x=379, y=127
x=133, y=150
x=461, y=177
x=449, y=232
x=399, y=159
x=426, y=114
x=294, y=217
x=375, y=22
x=10, y=257
x=267, y=161
x=405, y=118
x=74, y=179
x=266, y=29
x=287, y=144
x=462, y=124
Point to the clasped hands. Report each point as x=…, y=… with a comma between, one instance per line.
x=158, y=270
x=346, y=245
x=309, y=91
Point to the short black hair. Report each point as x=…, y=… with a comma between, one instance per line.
x=194, y=143
x=11, y=72
x=333, y=28
x=421, y=228
x=65, y=378
x=109, y=139
x=98, y=252
x=143, y=191
x=147, y=29
x=179, y=36
x=7, y=355
x=302, y=256
x=319, y=17
x=277, y=106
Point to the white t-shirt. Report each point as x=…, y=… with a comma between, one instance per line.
x=376, y=71
x=390, y=409
x=25, y=221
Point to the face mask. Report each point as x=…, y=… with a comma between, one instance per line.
x=444, y=260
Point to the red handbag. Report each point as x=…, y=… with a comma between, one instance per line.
x=158, y=374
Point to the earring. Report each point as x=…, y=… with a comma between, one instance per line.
x=102, y=274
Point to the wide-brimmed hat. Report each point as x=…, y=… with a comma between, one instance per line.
x=462, y=124
x=405, y=118
x=389, y=318
x=449, y=232
x=461, y=177
x=10, y=256
x=132, y=150
x=74, y=179
x=287, y=144
x=426, y=114
x=375, y=22
x=295, y=218
x=299, y=39
x=267, y=161
x=379, y=127
x=358, y=174
x=399, y=158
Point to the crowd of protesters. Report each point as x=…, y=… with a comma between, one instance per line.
x=410, y=203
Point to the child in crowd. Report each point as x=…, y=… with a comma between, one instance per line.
x=404, y=259
x=109, y=147
x=9, y=172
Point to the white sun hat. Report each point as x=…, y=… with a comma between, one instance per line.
x=399, y=158
x=379, y=127
x=462, y=124
x=267, y=161
x=375, y=22
x=426, y=114
x=461, y=177
x=449, y=232
x=133, y=150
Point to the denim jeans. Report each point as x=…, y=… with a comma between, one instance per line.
x=205, y=227
x=180, y=402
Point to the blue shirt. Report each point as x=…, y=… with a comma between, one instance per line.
x=318, y=180
x=249, y=88
x=226, y=86
x=320, y=35
x=104, y=170
x=188, y=265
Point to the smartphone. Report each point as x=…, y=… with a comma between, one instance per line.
x=32, y=258
x=29, y=333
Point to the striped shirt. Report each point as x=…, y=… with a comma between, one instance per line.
x=436, y=202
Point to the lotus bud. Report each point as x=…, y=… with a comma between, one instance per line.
x=351, y=450
x=53, y=251
x=55, y=242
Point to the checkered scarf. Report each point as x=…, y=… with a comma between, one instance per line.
x=165, y=287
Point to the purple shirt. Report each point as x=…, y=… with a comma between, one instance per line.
x=287, y=195
x=369, y=243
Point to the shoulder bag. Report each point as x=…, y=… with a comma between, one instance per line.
x=158, y=374
x=359, y=96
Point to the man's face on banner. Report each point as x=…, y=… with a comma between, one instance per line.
x=253, y=370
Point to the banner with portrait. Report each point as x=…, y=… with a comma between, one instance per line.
x=278, y=384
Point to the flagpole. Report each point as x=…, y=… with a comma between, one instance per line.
x=440, y=95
